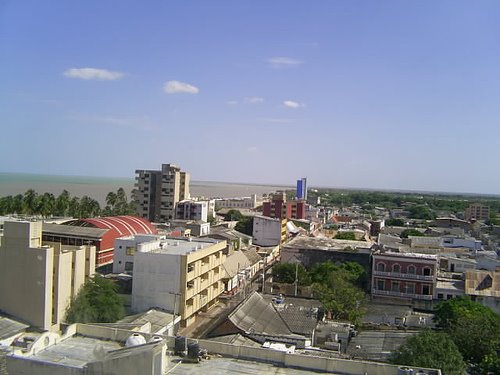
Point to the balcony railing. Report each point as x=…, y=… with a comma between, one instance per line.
x=407, y=276
x=401, y=295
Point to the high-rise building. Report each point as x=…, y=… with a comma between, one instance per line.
x=301, y=193
x=158, y=192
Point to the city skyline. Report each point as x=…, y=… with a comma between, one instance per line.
x=385, y=95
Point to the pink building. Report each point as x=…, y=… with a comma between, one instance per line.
x=408, y=276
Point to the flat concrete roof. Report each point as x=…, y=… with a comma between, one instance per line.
x=75, y=351
x=181, y=246
x=318, y=243
x=9, y=327
x=218, y=366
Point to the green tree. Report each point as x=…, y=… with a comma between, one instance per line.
x=395, y=222
x=474, y=328
x=345, y=236
x=29, y=202
x=411, y=232
x=62, y=203
x=340, y=298
x=430, y=349
x=245, y=225
x=96, y=302
x=286, y=272
x=233, y=215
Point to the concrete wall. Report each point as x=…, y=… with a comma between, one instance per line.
x=266, y=231
x=26, y=274
x=156, y=281
x=338, y=366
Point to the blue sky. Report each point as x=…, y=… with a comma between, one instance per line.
x=369, y=94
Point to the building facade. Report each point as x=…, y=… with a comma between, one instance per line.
x=279, y=207
x=477, y=211
x=244, y=202
x=158, y=192
x=407, y=276
x=39, y=279
x=126, y=247
x=181, y=276
x=301, y=192
x=268, y=231
x=192, y=210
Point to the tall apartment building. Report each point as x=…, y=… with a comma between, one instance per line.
x=477, y=211
x=180, y=275
x=158, y=192
x=39, y=279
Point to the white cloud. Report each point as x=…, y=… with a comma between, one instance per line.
x=176, y=87
x=279, y=62
x=232, y=102
x=140, y=122
x=93, y=74
x=292, y=104
x=254, y=100
x=252, y=149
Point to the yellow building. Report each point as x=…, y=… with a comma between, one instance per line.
x=182, y=276
x=38, y=280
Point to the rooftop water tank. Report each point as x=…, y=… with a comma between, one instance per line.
x=134, y=340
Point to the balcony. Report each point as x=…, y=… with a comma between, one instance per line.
x=377, y=292
x=405, y=276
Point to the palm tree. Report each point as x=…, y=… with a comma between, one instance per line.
x=29, y=202
x=62, y=203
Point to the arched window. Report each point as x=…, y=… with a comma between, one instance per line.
x=411, y=269
x=427, y=271
x=396, y=268
x=381, y=267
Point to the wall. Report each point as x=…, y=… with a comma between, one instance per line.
x=26, y=275
x=266, y=231
x=342, y=366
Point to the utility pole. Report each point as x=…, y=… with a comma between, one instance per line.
x=296, y=278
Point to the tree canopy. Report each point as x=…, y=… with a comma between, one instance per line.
x=96, y=302
x=474, y=328
x=47, y=204
x=411, y=232
x=430, y=349
x=336, y=286
x=345, y=236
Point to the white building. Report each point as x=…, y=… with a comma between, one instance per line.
x=126, y=247
x=268, y=231
x=192, y=210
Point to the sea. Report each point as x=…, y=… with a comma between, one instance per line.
x=98, y=187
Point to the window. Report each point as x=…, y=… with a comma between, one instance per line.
x=129, y=266
x=427, y=271
x=381, y=267
x=130, y=250
x=395, y=286
x=440, y=296
x=396, y=268
x=426, y=290
x=410, y=288
x=411, y=269
x=380, y=284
